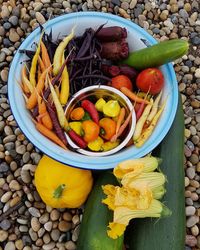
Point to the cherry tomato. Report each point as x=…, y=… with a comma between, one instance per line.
x=121, y=81
x=91, y=130
x=109, y=127
x=151, y=80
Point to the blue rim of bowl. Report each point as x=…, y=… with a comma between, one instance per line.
x=91, y=162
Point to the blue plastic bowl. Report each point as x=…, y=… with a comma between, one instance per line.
x=137, y=38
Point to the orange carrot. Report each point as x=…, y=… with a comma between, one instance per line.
x=120, y=119
x=43, y=114
x=49, y=134
x=27, y=86
x=122, y=128
x=32, y=101
x=133, y=96
x=41, y=63
x=45, y=55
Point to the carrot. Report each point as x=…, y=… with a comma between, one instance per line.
x=133, y=96
x=58, y=130
x=41, y=63
x=154, y=109
x=140, y=111
x=64, y=92
x=43, y=114
x=49, y=134
x=59, y=109
x=120, y=119
x=147, y=133
x=122, y=128
x=141, y=121
x=33, y=68
x=58, y=56
x=27, y=86
x=45, y=55
x=32, y=101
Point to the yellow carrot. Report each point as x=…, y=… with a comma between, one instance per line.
x=27, y=86
x=148, y=131
x=33, y=68
x=64, y=92
x=120, y=119
x=58, y=56
x=59, y=109
x=154, y=109
x=140, y=123
x=32, y=100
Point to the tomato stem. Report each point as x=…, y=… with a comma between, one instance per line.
x=58, y=192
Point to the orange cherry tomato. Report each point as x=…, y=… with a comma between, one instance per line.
x=91, y=130
x=77, y=114
x=109, y=128
x=121, y=81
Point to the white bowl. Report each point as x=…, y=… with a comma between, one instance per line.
x=104, y=92
x=137, y=39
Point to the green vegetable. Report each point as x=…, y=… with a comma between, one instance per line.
x=167, y=233
x=96, y=217
x=157, y=54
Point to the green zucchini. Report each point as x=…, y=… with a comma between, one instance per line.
x=158, y=54
x=167, y=233
x=96, y=216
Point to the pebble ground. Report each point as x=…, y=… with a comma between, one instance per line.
x=25, y=221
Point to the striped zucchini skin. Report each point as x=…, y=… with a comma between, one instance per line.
x=158, y=54
x=96, y=216
x=167, y=233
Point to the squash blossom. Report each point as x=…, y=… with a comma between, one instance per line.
x=138, y=194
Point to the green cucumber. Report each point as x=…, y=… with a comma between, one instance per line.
x=167, y=233
x=96, y=217
x=158, y=54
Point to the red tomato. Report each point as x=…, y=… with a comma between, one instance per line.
x=121, y=81
x=151, y=80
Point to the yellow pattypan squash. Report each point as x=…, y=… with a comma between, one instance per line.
x=61, y=186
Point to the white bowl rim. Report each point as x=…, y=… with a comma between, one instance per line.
x=97, y=163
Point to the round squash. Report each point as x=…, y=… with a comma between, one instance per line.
x=61, y=186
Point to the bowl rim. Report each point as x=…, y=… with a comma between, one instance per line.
x=126, y=139
x=92, y=163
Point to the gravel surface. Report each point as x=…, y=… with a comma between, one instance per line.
x=25, y=221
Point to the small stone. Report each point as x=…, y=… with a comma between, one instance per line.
x=55, y=214
x=132, y=4
x=164, y=14
x=4, y=75
x=195, y=230
x=35, y=224
x=55, y=234
x=191, y=221
x=44, y=218
x=46, y=238
x=194, y=159
x=197, y=73
x=21, y=149
x=26, y=178
x=48, y=226
x=3, y=235
x=5, y=224
x=196, y=41
x=41, y=232
x=19, y=244
x=49, y=246
x=13, y=20
x=13, y=36
x=190, y=240
x=76, y=219
x=2, y=56
x=34, y=212
x=6, y=197
x=70, y=245
x=187, y=181
x=187, y=7
x=64, y=226
x=23, y=229
x=4, y=167
x=4, y=11
x=26, y=240
x=36, y=158
x=97, y=4
x=10, y=246
x=40, y=18
x=14, y=185
x=190, y=210
x=33, y=234
x=22, y=221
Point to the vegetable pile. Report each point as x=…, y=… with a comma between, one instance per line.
x=58, y=69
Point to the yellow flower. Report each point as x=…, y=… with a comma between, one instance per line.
x=115, y=230
x=110, y=191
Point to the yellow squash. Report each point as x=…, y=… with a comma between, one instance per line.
x=61, y=186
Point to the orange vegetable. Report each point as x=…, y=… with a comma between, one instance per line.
x=41, y=63
x=49, y=134
x=45, y=55
x=91, y=130
x=43, y=114
x=32, y=100
x=133, y=96
x=121, y=81
x=77, y=114
x=120, y=119
x=27, y=86
x=109, y=128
